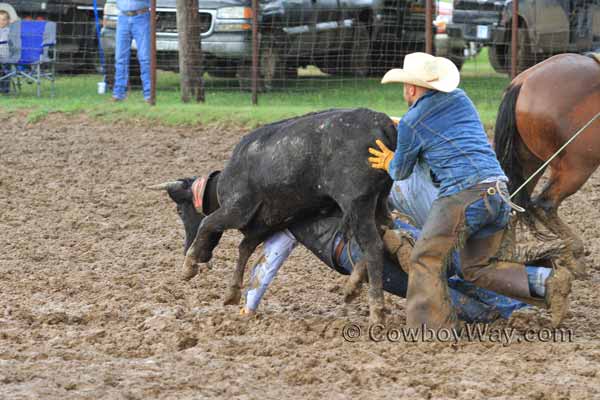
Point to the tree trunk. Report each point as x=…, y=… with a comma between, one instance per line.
x=190, y=51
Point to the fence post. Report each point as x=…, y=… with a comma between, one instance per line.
x=255, y=52
x=514, y=45
x=152, y=52
x=429, y=26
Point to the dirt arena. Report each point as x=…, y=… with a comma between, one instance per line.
x=91, y=305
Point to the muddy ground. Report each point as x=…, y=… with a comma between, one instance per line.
x=91, y=305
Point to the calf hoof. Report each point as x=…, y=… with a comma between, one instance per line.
x=376, y=316
x=354, y=283
x=204, y=257
x=351, y=290
x=189, y=269
x=233, y=297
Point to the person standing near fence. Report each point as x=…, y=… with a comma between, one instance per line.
x=133, y=24
x=4, y=49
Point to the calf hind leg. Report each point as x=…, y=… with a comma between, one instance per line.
x=246, y=248
x=362, y=223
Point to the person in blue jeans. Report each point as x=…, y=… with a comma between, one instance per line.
x=442, y=129
x=133, y=24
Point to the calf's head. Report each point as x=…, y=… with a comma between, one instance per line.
x=195, y=198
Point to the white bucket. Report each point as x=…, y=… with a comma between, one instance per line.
x=101, y=87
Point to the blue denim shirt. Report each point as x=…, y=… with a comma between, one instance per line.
x=132, y=5
x=444, y=131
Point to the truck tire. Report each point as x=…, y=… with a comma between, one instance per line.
x=497, y=59
x=274, y=68
x=525, y=56
x=358, y=59
x=457, y=57
x=354, y=60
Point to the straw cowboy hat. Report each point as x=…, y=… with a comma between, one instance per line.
x=425, y=70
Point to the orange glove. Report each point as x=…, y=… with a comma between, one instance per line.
x=382, y=158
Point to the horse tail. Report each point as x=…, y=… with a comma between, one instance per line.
x=506, y=141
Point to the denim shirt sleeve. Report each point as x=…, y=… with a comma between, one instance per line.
x=407, y=152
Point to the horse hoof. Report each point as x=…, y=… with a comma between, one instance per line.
x=189, y=270
x=233, y=297
x=579, y=269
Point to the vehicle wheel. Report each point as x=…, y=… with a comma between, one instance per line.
x=525, y=55
x=354, y=60
x=359, y=55
x=458, y=62
x=457, y=57
x=274, y=69
x=496, y=56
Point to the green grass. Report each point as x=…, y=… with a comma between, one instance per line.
x=224, y=102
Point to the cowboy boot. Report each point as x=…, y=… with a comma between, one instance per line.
x=399, y=243
x=558, y=288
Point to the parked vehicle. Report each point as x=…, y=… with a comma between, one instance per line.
x=77, y=43
x=546, y=28
x=341, y=37
x=473, y=20
x=446, y=45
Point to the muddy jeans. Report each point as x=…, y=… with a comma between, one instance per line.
x=473, y=220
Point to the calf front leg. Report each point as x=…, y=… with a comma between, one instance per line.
x=208, y=236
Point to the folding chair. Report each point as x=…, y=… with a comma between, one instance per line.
x=33, y=54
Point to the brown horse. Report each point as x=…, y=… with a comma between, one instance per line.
x=543, y=107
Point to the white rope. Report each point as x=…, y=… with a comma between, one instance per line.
x=544, y=165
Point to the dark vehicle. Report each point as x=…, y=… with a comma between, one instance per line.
x=77, y=43
x=546, y=28
x=341, y=37
x=473, y=20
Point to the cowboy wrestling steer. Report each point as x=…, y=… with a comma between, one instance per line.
x=286, y=171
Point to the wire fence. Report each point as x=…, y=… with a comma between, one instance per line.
x=332, y=42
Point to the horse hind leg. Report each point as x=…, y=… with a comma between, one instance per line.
x=564, y=181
